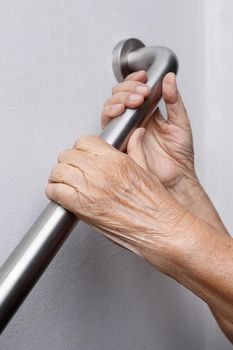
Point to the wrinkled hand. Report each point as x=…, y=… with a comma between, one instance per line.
x=121, y=195
x=167, y=143
x=116, y=194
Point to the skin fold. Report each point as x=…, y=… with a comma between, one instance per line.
x=149, y=199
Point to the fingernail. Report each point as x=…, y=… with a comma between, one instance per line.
x=170, y=79
x=135, y=98
x=143, y=89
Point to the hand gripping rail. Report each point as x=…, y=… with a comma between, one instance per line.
x=33, y=254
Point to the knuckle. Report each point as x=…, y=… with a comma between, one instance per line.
x=130, y=86
x=46, y=191
x=57, y=173
x=136, y=75
x=130, y=76
x=86, y=141
x=134, y=83
x=108, y=101
x=105, y=111
x=80, y=141
x=124, y=96
x=51, y=192
x=119, y=97
x=122, y=87
x=115, y=88
x=52, y=173
x=63, y=155
x=66, y=196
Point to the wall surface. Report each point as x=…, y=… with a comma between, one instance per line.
x=218, y=141
x=55, y=74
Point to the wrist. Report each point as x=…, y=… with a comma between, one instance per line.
x=188, y=191
x=164, y=246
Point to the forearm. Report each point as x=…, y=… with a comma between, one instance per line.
x=224, y=324
x=191, y=194
x=201, y=259
x=206, y=267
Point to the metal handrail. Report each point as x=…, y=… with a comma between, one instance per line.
x=33, y=254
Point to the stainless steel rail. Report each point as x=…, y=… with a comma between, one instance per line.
x=33, y=254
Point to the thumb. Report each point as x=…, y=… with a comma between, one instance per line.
x=135, y=149
x=176, y=111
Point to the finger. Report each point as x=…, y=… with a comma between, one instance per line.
x=62, y=194
x=176, y=111
x=126, y=93
x=76, y=158
x=94, y=145
x=133, y=87
x=140, y=75
x=134, y=147
x=117, y=104
x=111, y=111
x=129, y=100
x=67, y=174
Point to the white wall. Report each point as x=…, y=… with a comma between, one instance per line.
x=55, y=73
x=219, y=121
x=219, y=103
